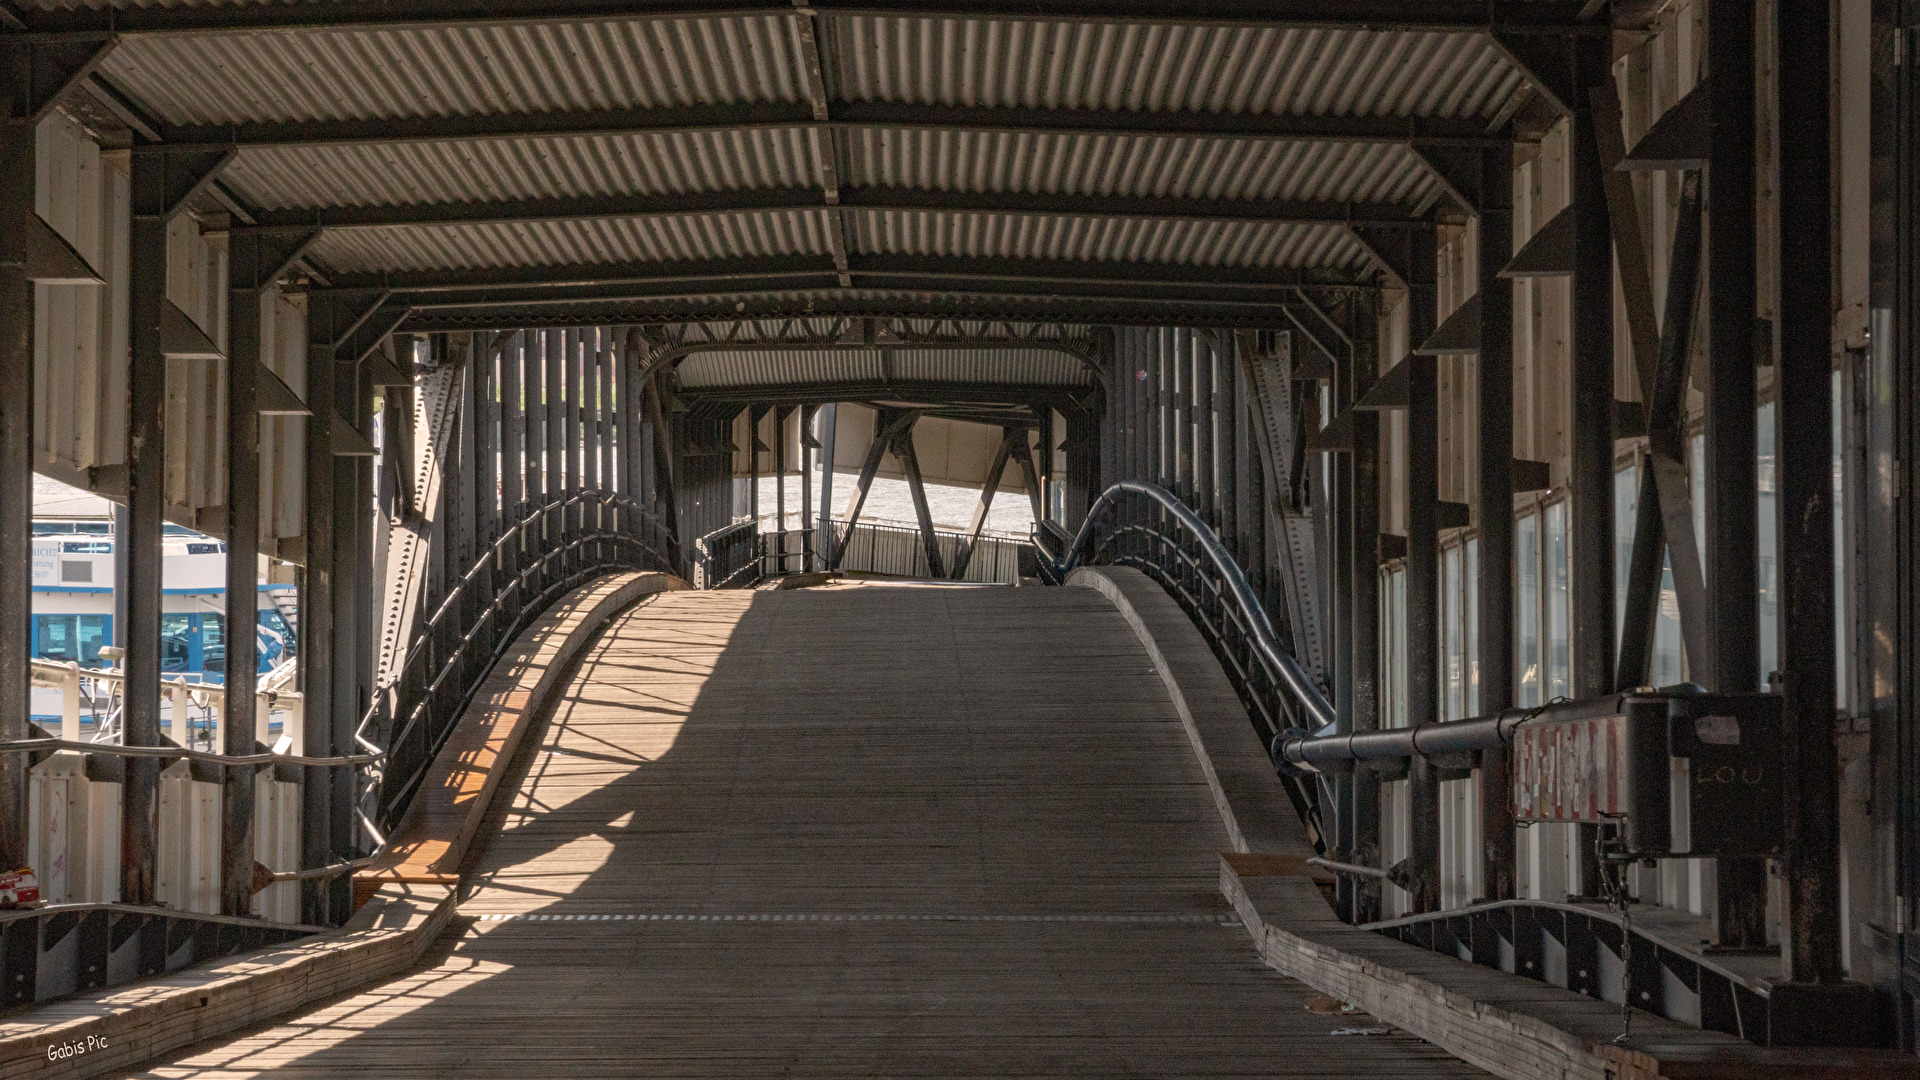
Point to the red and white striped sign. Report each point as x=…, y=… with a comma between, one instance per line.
x=1571, y=770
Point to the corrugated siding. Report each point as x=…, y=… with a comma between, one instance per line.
x=661, y=238
x=1024, y=236
x=1170, y=166
x=1042, y=63
x=398, y=174
x=791, y=367
x=196, y=415
x=80, y=331
x=361, y=73
x=283, y=439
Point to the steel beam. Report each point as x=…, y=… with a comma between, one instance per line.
x=762, y=200
x=1807, y=290
x=829, y=435
x=1591, y=480
x=327, y=319
x=1733, y=535
x=902, y=447
x=1495, y=581
x=246, y=302
x=17, y=172
x=851, y=118
x=1541, y=17
x=1423, y=575
x=1363, y=833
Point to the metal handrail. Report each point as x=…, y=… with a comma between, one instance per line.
x=1251, y=614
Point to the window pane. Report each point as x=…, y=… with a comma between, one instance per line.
x=1526, y=630
x=1453, y=675
x=57, y=638
x=1472, y=593
x=1626, y=504
x=1559, y=652
x=1769, y=543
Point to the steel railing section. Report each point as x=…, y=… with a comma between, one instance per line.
x=454, y=648
x=1637, y=966
x=728, y=558
x=452, y=651
x=1145, y=526
x=741, y=555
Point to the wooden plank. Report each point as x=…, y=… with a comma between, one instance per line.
x=852, y=830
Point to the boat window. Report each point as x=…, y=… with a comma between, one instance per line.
x=65, y=638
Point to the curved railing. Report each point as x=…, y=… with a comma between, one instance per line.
x=1166, y=539
x=471, y=627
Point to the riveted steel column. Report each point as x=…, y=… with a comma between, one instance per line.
x=1423, y=573
x=604, y=360
x=245, y=303
x=1591, y=480
x=146, y=504
x=353, y=618
x=1495, y=582
x=316, y=604
x=1732, y=496
x=1363, y=633
x=1806, y=496
x=1185, y=479
x=16, y=475
x=589, y=411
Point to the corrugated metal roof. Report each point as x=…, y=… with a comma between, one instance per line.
x=675, y=238
x=1174, y=166
x=796, y=367
x=360, y=73
x=486, y=170
x=1166, y=66
x=1087, y=237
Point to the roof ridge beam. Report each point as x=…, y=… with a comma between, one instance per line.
x=847, y=116
x=1413, y=16
x=559, y=282
x=752, y=200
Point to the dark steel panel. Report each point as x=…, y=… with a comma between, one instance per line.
x=17, y=172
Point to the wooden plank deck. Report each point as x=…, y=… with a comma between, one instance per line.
x=848, y=831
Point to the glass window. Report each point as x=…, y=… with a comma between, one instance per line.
x=1626, y=507
x=1393, y=665
x=1769, y=543
x=175, y=647
x=1472, y=593
x=1559, y=649
x=1526, y=630
x=67, y=638
x=1454, y=674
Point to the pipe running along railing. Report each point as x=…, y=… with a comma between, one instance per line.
x=1163, y=537
x=439, y=671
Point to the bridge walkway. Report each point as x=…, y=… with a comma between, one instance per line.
x=846, y=831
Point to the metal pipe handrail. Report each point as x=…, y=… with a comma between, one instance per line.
x=62, y=669
x=1490, y=732
x=1254, y=615
x=28, y=746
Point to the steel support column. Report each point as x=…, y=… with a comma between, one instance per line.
x=16, y=471
x=1733, y=535
x=1205, y=493
x=823, y=541
x=1806, y=496
x=325, y=326
x=910, y=463
x=1495, y=583
x=245, y=304
x=1423, y=573
x=1363, y=809
x=553, y=397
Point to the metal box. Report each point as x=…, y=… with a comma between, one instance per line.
x=1683, y=774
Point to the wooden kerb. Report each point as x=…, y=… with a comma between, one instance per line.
x=432, y=843
x=116, y=1029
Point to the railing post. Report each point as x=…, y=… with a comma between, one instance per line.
x=70, y=704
